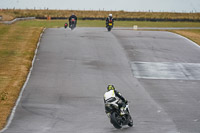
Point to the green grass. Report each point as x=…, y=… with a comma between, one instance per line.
x=4, y=29
x=42, y=23
x=60, y=23
x=100, y=23
x=156, y=24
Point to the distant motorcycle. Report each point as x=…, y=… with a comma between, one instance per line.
x=110, y=25
x=115, y=118
x=72, y=23
x=65, y=25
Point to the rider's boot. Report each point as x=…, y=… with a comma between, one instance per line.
x=108, y=114
x=122, y=111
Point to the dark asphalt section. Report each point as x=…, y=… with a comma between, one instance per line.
x=73, y=68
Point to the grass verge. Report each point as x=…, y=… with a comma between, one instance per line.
x=18, y=42
x=17, y=46
x=193, y=35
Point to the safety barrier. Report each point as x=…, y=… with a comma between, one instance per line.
x=17, y=19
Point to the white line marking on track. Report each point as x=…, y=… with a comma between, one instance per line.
x=166, y=70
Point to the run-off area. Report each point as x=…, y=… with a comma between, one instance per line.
x=166, y=70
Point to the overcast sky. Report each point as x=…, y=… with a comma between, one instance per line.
x=126, y=5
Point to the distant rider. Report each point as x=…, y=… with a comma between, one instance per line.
x=109, y=19
x=111, y=95
x=71, y=17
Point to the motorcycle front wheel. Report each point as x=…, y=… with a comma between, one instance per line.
x=115, y=120
x=109, y=28
x=130, y=124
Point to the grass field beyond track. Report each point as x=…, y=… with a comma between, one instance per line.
x=9, y=14
x=100, y=23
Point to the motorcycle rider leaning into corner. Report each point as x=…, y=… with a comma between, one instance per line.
x=70, y=18
x=109, y=19
x=111, y=95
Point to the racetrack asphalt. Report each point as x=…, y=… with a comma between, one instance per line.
x=73, y=68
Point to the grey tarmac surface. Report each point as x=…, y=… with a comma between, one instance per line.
x=73, y=68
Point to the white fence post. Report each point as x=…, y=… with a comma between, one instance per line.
x=135, y=27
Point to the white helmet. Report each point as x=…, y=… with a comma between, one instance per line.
x=110, y=15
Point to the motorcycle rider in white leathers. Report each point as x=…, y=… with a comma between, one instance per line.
x=111, y=95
